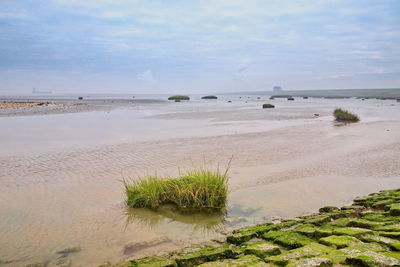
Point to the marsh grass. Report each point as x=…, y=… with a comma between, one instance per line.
x=344, y=115
x=268, y=106
x=195, y=190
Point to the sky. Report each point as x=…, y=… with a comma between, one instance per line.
x=180, y=46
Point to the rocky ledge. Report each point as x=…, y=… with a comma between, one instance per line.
x=367, y=233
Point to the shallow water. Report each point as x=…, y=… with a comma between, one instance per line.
x=60, y=174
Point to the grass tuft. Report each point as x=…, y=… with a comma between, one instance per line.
x=196, y=190
x=344, y=115
x=209, y=97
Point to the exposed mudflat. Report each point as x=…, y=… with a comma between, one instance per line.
x=60, y=174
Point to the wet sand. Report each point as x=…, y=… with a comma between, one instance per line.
x=61, y=188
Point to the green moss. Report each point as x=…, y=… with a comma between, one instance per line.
x=319, y=220
x=204, y=255
x=328, y=209
x=245, y=234
x=388, y=228
x=306, y=229
x=153, y=262
x=288, y=239
x=262, y=249
x=242, y=261
x=382, y=204
x=351, y=231
x=311, y=250
x=311, y=262
x=394, y=210
x=380, y=217
x=370, y=258
x=390, y=234
x=342, y=222
x=338, y=241
x=391, y=243
x=364, y=223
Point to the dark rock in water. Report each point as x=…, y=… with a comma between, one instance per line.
x=258, y=97
x=290, y=98
x=267, y=106
x=80, y=98
x=316, y=114
x=272, y=98
x=229, y=101
x=305, y=97
x=179, y=97
x=209, y=97
x=177, y=100
x=135, y=247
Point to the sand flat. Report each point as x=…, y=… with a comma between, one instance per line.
x=285, y=163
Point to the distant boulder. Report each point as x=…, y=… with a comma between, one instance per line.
x=209, y=97
x=179, y=97
x=267, y=106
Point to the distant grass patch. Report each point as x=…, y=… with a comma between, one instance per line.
x=268, y=106
x=209, y=97
x=179, y=97
x=196, y=190
x=344, y=115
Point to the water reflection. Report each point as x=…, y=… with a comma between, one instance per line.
x=210, y=221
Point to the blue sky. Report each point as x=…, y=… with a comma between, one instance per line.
x=121, y=46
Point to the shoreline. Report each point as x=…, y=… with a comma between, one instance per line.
x=364, y=233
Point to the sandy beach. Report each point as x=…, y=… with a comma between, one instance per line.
x=61, y=172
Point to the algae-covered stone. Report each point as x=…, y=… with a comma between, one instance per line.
x=340, y=222
x=152, y=262
x=389, y=228
x=311, y=262
x=319, y=220
x=311, y=250
x=243, y=261
x=383, y=204
x=351, y=231
x=328, y=209
x=390, y=234
x=380, y=217
x=353, y=208
x=338, y=241
x=306, y=229
x=245, y=234
x=204, y=255
x=364, y=223
x=392, y=243
x=370, y=258
x=262, y=249
x=288, y=239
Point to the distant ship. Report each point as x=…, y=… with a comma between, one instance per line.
x=35, y=91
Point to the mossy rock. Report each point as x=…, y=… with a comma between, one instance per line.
x=380, y=217
x=288, y=239
x=370, y=258
x=245, y=234
x=262, y=249
x=364, y=223
x=388, y=228
x=357, y=208
x=393, y=244
x=311, y=250
x=242, y=261
x=342, y=222
x=382, y=204
x=306, y=229
x=394, y=210
x=311, y=262
x=204, y=255
x=349, y=213
x=390, y=234
x=268, y=106
x=328, y=209
x=338, y=241
x=179, y=97
x=351, y=231
x=152, y=262
x=319, y=220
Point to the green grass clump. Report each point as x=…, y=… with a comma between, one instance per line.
x=196, y=190
x=179, y=97
x=343, y=115
x=268, y=106
x=209, y=97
